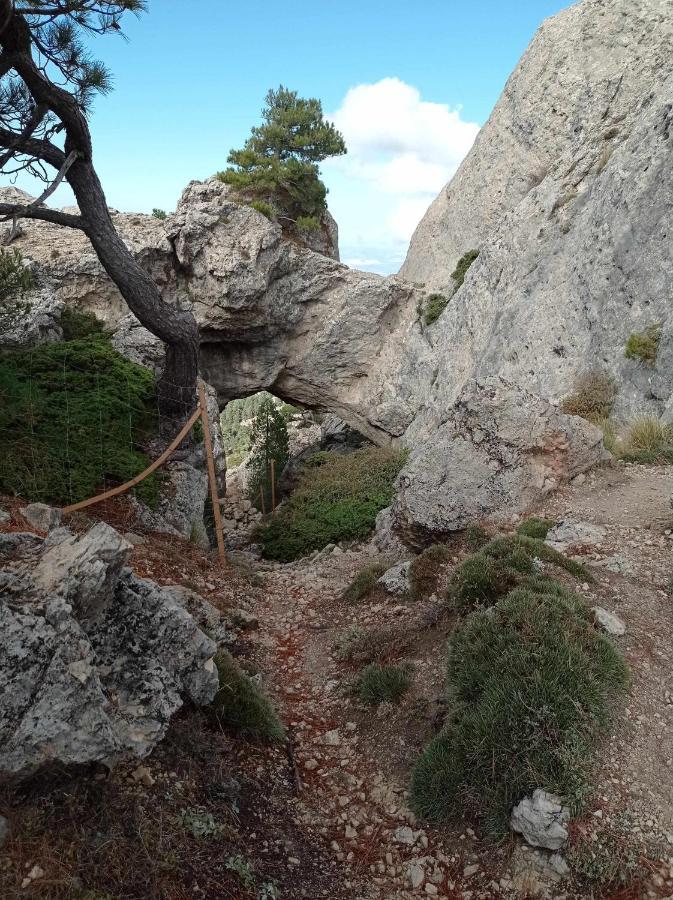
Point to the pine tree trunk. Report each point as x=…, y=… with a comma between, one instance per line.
x=175, y=327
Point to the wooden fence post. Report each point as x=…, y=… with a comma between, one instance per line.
x=273, y=487
x=207, y=440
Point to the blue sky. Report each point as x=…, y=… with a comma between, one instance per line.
x=409, y=83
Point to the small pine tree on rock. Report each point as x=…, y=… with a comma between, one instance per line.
x=269, y=441
x=277, y=171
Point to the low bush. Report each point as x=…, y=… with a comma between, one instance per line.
x=77, y=324
x=476, y=537
x=648, y=440
x=501, y=565
x=425, y=570
x=364, y=582
x=383, y=684
x=72, y=417
x=159, y=214
x=462, y=267
x=434, y=307
x=15, y=277
x=241, y=705
x=337, y=498
x=536, y=527
x=644, y=345
x=366, y=645
x=532, y=685
x=265, y=208
x=593, y=397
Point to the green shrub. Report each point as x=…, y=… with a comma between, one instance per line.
x=241, y=705
x=265, y=208
x=532, y=686
x=159, y=214
x=434, y=307
x=337, y=498
x=77, y=324
x=463, y=266
x=593, y=397
x=644, y=345
x=308, y=223
x=425, y=570
x=71, y=417
x=648, y=441
x=364, y=582
x=501, y=565
x=15, y=277
x=383, y=684
x=536, y=527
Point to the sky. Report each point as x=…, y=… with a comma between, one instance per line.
x=408, y=83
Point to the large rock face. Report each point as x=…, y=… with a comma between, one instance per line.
x=567, y=194
x=94, y=661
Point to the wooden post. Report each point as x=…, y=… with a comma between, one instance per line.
x=261, y=498
x=217, y=513
x=273, y=486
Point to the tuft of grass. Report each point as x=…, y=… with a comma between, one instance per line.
x=648, y=441
x=383, y=684
x=476, y=537
x=265, y=208
x=434, y=307
x=365, y=645
x=593, y=396
x=462, y=267
x=308, y=223
x=532, y=686
x=536, y=527
x=500, y=566
x=425, y=570
x=337, y=498
x=644, y=345
x=364, y=582
x=241, y=705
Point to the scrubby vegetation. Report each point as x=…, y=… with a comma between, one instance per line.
x=159, y=214
x=241, y=705
x=462, y=267
x=593, y=397
x=476, y=537
x=434, y=307
x=644, y=345
x=78, y=324
x=383, y=684
x=73, y=416
x=364, y=582
x=536, y=527
x=337, y=498
x=532, y=686
x=15, y=277
x=425, y=570
x=648, y=440
x=277, y=169
x=501, y=565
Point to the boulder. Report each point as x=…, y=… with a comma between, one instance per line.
x=500, y=450
x=542, y=820
x=396, y=579
x=41, y=516
x=94, y=660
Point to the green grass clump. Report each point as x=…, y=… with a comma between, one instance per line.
x=644, y=345
x=536, y=527
x=72, y=416
x=532, y=685
x=241, y=705
x=364, y=582
x=648, y=441
x=501, y=565
x=462, y=267
x=337, y=498
x=383, y=684
x=593, y=397
x=476, y=537
x=434, y=307
x=425, y=570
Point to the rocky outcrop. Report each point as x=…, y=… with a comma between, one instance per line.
x=499, y=450
x=94, y=660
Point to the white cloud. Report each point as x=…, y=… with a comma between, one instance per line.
x=401, y=151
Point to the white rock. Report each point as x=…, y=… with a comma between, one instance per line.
x=404, y=835
x=566, y=534
x=542, y=820
x=396, y=579
x=609, y=621
x=41, y=516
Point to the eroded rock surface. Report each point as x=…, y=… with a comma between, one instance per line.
x=94, y=661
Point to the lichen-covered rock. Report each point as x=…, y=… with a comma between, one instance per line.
x=94, y=661
x=498, y=451
x=395, y=580
x=41, y=516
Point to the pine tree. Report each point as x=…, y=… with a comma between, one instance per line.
x=277, y=169
x=269, y=441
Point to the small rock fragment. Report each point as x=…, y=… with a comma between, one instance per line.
x=609, y=621
x=542, y=820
